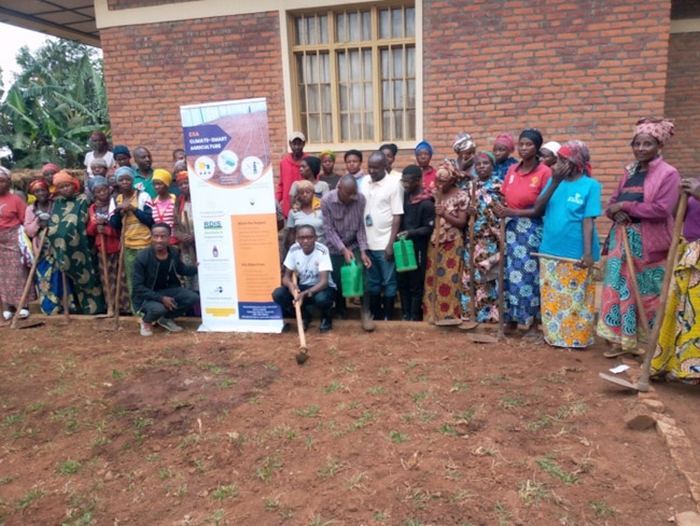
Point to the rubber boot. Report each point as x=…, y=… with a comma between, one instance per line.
x=416, y=309
x=375, y=305
x=406, y=304
x=389, y=307
x=366, y=315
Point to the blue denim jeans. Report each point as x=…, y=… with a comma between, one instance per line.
x=381, y=275
x=323, y=300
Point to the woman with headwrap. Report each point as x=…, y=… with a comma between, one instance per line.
x=164, y=202
x=69, y=241
x=465, y=148
x=567, y=285
x=100, y=150
x=443, y=282
x=503, y=148
x=47, y=173
x=132, y=211
x=309, y=169
x=521, y=187
x=306, y=210
x=184, y=228
x=484, y=193
x=328, y=174
x=677, y=356
x=424, y=154
x=48, y=277
x=14, y=272
x=99, y=228
x=644, y=204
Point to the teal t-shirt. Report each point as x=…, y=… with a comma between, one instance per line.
x=563, y=218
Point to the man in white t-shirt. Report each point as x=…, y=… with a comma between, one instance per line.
x=383, y=211
x=312, y=263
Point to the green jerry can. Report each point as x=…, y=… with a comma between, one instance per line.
x=405, y=255
x=351, y=280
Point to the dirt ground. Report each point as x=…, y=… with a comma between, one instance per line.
x=410, y=425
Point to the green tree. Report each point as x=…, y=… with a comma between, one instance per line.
x=53, y=105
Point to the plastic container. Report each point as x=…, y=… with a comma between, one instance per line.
x=405, y=255
x=351, y=280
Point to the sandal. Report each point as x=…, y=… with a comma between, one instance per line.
x=616, y=351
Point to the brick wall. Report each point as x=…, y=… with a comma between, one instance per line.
x=585, y=69
x=151, y=70
x=683, y=102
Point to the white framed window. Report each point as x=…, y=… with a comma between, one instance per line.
x=353, y=74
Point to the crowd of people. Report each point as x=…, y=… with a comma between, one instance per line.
x=494, y=239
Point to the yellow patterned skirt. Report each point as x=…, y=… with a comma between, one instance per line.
x=677, y=355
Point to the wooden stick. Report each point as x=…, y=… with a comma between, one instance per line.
x=300, y=321
x=472, y=261
x=633, y=278
x=436, y=245
x=643, y=383
x=118, y=291
x=30, y=279
x=66, y=300
x=501, y=279
x=105, y=275
x=186, y=223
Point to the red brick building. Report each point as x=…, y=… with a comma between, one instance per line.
x=355, y=75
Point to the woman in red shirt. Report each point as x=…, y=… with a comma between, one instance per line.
x=522, y=185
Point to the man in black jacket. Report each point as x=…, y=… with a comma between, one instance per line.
x=157, y=291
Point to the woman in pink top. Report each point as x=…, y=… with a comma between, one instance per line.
x=521, y=187
x=644, y=204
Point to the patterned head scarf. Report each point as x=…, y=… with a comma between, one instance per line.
x=487, y=155
x=534, y=135
x=660, y=129
x=50, y=166
x=94, y=182
x=424, y=145
x=4, y=172
x=505, y=139
x=38, y=183
x=447, y=172
x=163, y=176
x=62, y=177
x=182, y=176
x=306, y=185
x=463, y=142
x=327, y=153
x=99, y=161
x=578, y=153
x=124, y=171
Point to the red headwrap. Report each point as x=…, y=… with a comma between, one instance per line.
x=38, y=183
x=50, y=166
x=182, y=176
x=660, y=129
x=65, y=177
x=578, y=153
x=506, y=139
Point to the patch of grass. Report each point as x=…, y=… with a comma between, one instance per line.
x=344, y=407
x=215, y=517
x=14, y=419
x=348, y=368
x=461, y=495
x=532, y=492
x=225, y=383
x=384, y=370
x=270, y=367
x=267, y=467
x=367, y=418
x=420, y=396
x=153, y=457
x=466, y=416
x=24, y=502
x=420, y=416
x=330, y=469
x=446, y=429
x=397, y=437
x=459, y=387
x=237, y=439
x=509, y=402
x=69, y=467
x=554, y=470
x=542, y=422
x=494, y=379
x=379, y=516
x=602, y=510
x=309, y=412
x=356, y=481
x=504, y=516
x=226, y=492
x=331, y=388
x=375, y=391
x=165, y=473
x=318, y=521
x=117, y=375
x=5, y=480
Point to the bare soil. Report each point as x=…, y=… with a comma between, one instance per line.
x=409, y=425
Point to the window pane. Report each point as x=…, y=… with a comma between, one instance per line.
x=386, y=94
x=323, y=29
x=327, y=127
x=353, y=27
x=384, y=27
x=340, y=28
x=313, y=98
x=344, y=127
x=410, y=61
x=369, y=127
x=367, y=65
x=386, y=126
x=326, y=105
x=411, y=93
x=398, y=124
x=369, y=96
x=342, y=67
x=410, y=125
x=410, y=22
x=325, y=65
x=355, y=126
x=355, y=97
x=384, y=63
x=397, y=23
x=313, y=131
x=299, y=33
x=398, y=101
x=366, y=25
x=355, y=70
x=397, y=55
x=311, y=31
